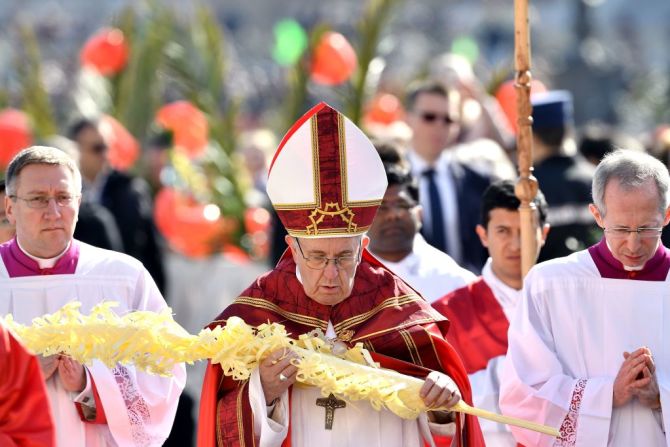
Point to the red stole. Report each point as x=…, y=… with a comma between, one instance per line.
x=479, y=326
x=25, y=416
x=399, y=328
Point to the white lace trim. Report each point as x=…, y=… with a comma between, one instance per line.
x=138, y=411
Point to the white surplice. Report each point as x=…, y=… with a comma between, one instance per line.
x=486, y=382
x=429, y=271
x=357, y=424
x=139, y=407
x=566, y=345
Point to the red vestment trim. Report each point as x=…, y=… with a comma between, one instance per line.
x=100, y=416
x=479, y=326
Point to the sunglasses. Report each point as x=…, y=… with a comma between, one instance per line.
x=430, y=117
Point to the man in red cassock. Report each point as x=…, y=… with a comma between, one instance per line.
x=25, y=416
x=480, y=312
x=326, y=182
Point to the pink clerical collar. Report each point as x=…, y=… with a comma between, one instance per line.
x=20, y=264
x=656, y=269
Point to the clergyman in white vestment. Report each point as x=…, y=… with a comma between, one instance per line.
x=44, y=268
x=589, y=351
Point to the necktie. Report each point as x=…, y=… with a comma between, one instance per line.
x=437, y=237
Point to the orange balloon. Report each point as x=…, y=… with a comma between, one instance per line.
x=15, y=134
x=506, y=96
x=123, y=147
x=106, y=52
x=384, y=109
x=192, y=229
x=334, y=60
x=188, y=124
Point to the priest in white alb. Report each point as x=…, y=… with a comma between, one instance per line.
x=588, y=346
x=42, y=269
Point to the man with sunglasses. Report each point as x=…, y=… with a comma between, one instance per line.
x=127, y=197
x=449, y=189
x=588, y=346
x=43, y=268
x=326, y=182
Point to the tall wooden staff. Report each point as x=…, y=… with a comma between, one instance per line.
x=526, y=186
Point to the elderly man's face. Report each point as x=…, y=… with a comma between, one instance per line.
x=44, y=232
x=332, y=284
x=631, y=209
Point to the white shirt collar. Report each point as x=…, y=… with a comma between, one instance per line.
x=419, y=165
x=42, y=262
x=507, y=296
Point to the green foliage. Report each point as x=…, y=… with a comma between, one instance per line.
x=370, y=27
x=35, y=99
x=137, y=93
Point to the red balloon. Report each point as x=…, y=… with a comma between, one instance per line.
x=106, y=52
x=384, y=109
x=506, y=96
x=123, y=147
x=192, y=229
x=188, y=124
x=15, y=134
x=333, y=60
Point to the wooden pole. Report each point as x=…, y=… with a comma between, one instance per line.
x=526, y=186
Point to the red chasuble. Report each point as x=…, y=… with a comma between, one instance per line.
x=395, y=324
x=25, y=416
x=478, y=330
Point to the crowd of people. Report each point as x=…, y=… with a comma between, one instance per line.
x=407, y=242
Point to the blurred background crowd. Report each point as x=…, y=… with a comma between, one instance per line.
x=174, y=110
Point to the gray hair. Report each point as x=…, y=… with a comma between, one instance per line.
x=42, y=155
x=632, y=169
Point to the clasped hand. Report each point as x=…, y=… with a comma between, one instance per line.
x=70, y=372
x=637, y=378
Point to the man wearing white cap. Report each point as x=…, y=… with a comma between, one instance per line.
x=326, y=182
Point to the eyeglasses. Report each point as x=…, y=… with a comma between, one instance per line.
x=644, y=233
x=430, y=117
x=401, y=206
x=320, y=262
x=41, y=202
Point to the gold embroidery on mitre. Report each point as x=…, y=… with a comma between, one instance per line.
x=331, y=210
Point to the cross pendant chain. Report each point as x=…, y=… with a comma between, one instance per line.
x=331, y=403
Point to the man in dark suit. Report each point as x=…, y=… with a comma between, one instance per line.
x=450, y=191
x=126, y=197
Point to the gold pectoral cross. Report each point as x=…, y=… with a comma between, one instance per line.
x=331, y=403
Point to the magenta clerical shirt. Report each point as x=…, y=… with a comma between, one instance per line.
x=19, y=264
x=655, y=269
